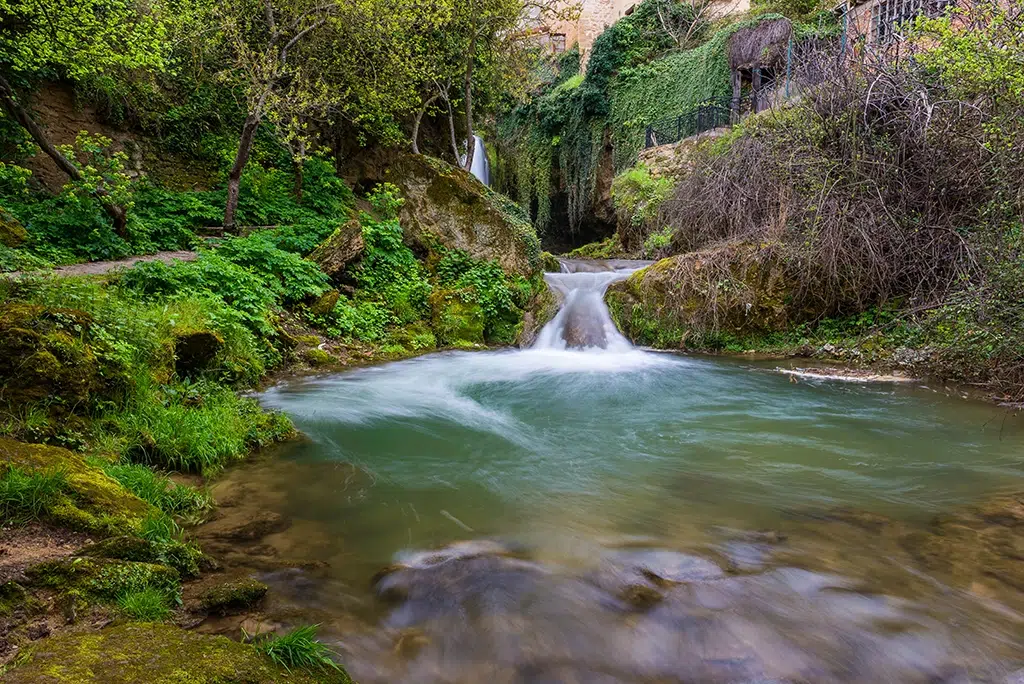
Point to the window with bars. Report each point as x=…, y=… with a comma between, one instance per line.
x=888, y=15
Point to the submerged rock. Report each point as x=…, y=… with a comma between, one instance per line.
x=233, y=597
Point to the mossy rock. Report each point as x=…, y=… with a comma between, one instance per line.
x=447, y=205
x=96, y=504
x=15, y=599
x=414, y=337
x=185, y=558
x=695, y=300
x=316, y=357
x=550, y=263
x=154, y=653
x=12, y=233
x=103, y=579
x=542, y=308
x=456, y=321
x=344, y=246
x=233, y=597
x=196, y=351
x=50, y=353
x=325, y=303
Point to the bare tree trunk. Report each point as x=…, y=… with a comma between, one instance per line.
x=252, y=122
x=468, y=94
x=21, y=115
x=299, y=165
x=451, y=130
x=419, y=120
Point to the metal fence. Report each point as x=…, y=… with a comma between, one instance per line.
x=713, y=113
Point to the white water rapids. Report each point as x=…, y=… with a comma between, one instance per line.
x=583, y=322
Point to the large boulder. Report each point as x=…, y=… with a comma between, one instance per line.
x=341, y=248
x=50, y=353
x=446, y=205
x=699, y=299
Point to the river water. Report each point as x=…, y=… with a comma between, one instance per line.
x=584, y=511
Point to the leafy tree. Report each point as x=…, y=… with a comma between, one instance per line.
x=74, y=39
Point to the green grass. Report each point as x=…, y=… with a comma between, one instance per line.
x=298, y=649
x=199, y=429
x=26, y=496
x=146, y=605
x=159, y=490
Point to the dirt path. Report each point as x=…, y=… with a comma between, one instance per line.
x=101, y=267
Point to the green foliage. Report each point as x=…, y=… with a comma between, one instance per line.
x=484, y=283
x=656, y=243
x=145, y=605
x=298, y=649
x=637, y=194
x=609, y=248
x=26, y=496
x=159, y=490
x=388, y=273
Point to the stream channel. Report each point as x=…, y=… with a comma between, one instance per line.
x=586, y=511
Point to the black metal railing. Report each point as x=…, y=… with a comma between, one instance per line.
x=713, y=113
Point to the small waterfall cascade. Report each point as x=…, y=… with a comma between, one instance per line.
x=481, y=164
x=583, y=322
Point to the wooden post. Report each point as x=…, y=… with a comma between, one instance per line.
x=755, y=87
x=735, y=104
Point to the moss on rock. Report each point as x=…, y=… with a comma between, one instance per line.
x=456, y=322
x=316, y=357
x=448, y=205
x=103, y=579
x=542, y=308
x=341, y=248
x=233, y=597
x=185, y=558
x=49, y=353
x=97, y=503
x=156, y=653
x=12, y=233
x=696, y=300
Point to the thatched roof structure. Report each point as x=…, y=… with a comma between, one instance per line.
x=758, y=46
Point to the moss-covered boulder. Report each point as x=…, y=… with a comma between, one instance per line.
x=196, y=351
x=103, y=579
x=341, y=248
x=155, y=654
x=50, y=353
x=695, y=300
x=183, y=557
x=550, y=263
x=12, y=233
x=456, y=320
x=233, y=597
x=542, y=308
x=447, y=205
x=95, y=503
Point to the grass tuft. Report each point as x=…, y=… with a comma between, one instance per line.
x=298, y=649
x=159, y=490
x=146, y=605
x=26, y=496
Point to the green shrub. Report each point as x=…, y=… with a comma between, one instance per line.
x=26, y=496
x=298, y=649
x=485, y=283
x=146, y=605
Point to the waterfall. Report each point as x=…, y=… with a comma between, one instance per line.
x=481, y=164
x=583, y=322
